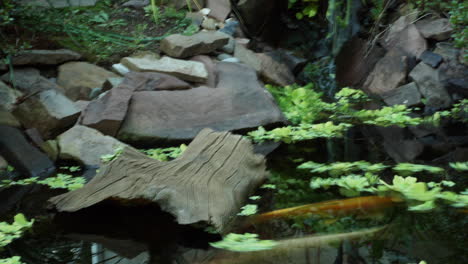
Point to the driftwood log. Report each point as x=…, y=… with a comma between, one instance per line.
x=207, y=184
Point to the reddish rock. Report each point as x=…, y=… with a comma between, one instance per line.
x=153, y=81
x=354, y=62
x=210, y=68
x=220, y=9
x=388, y=74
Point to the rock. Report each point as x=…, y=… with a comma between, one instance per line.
x=220, y=9
x=274, y=72
x=454, y=77
x=111, y=83
x=438, y=29
x=230, y=27
x=25, y=158
x=431, y=59
x=248, y=57
x=232, y=60
x=209, y=24
x=398, y=146
x=288, y=58
x=229, y=48
x=8, y=96
x=95, y=92
x=81, y=104
x=30, y=81
x=180, y=46
x=86, y=145
x=447, y=51
x=34, y=136
x=79, y=78
x=44, y=57
x=407, y=94
x=408, y=40
x=153, y=81
x=179, y=4
x=196, y=18
x=388, y=74
x=50, y=147
x=223, y=56
x=119, y=68
x=3, y=164
x=207, y=184
x=354, y=62
x=137, y=4
x=186, y=70
x=59, y=3
x=430, y=86
x=50, y=112
x=7, y=119
x=242, y=42
x=180, y=115
x=210, y=68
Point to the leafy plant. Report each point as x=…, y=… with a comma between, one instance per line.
x=341, y=168
x=110, y=157
x=12, y=260
x=459, y=166
x=61, y=181
x=165, y=154
x=406, y=169
x=244, y=243
x=249, y=209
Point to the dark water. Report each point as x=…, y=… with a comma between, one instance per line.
x=110, y=233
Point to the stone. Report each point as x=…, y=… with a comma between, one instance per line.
x=179, y=4
x=59, y=3
x=8, y=119
x=431, y=59
x=3, y=164
x=242, y=42
x=180, y=46
x=248, y=57
x=29, y=81
x=354, y=62
x=388, y=74
x=8, y=96
x=229, y=48
x=81, y=104
x=209, y=24
x=44, y=57
x=408, y=40
x=137, y=4
x=153, y=81
x=180, y=115
x=230, y=27
x=274, y=72
x=24, y=157
x=50, y=147
x=86, y=145
x=50, y=112
x=220, y=9
x=438, y=29
x=191, y=71
x=430, y=86
x=111, y=82
x=223, y=56
x=294, y=63
x=232, y=60
x=398, y=146
x=120, y=69
x=210, y=68
x=454, y=77
x=79, y=78
x=407, y=94
x=447, y=51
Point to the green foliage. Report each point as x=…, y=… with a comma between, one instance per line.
x=305, y=8
x=12, y=260
x=71, y=168
x=341, y=168
x=10, y=232
x=459, y=166
x=165, y=154
x=350, y=185
x=406, y=169
x=61, y=181
x=249, y=209
x=244, y=243
x=110, y=157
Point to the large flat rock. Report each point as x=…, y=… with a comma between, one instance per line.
x=206, y=185
x=29, y=81
x=238, y=102
x=180, y=46
x=50, y=112
x=24, y=157
x=191, y=71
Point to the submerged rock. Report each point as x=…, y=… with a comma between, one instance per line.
x=180, y=115
x=78, y=79
x=180, y=46
x=186, y=70
x=86, y=145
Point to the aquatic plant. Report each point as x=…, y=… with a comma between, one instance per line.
x=459, y=166
x=165, y=154
x=406, y=169
x=61, y=181
x=244, y=243
x=10, y=232
x=110, y=157
x=249, y=209
x=341, y=168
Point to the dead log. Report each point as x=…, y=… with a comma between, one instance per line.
x=207, y=184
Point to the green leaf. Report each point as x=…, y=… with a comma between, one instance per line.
x=244, y=243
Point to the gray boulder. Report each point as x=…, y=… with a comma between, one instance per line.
x=438, y=29
x=180, y=46
x=407, y=94
x=29, y=81
x=180, y=115
x=431, y=88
